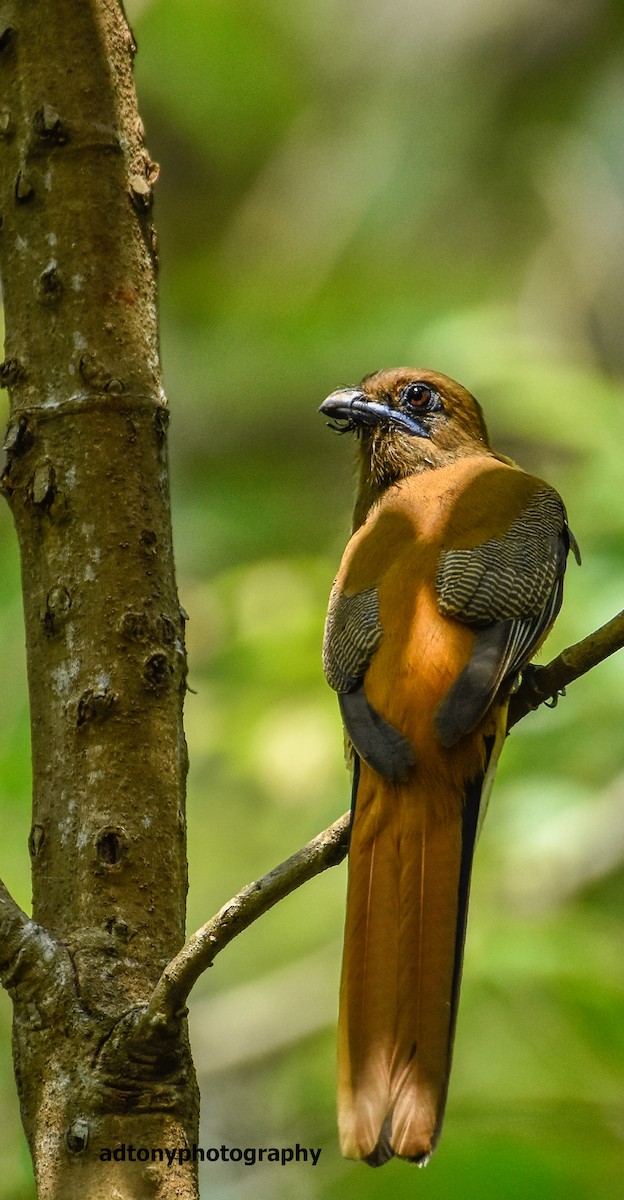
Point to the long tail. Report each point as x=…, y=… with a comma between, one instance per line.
x=409, y=877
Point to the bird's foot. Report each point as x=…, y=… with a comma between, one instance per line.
x=533, y=690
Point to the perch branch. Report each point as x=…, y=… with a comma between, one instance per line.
x=327, y=849
x=330, y=847
x=541, y=684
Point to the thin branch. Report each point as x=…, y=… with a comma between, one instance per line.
x=327, y=849
x=541, y=684
x=330, y=847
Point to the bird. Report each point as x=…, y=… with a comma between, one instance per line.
x=449, y=584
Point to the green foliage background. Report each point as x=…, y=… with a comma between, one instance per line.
x=347, y=186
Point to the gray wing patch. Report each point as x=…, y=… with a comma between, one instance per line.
x=499, y=653
x=382, y=746
x=511, y=576
x=352, y=634
x=469, y=698
x=511, y=588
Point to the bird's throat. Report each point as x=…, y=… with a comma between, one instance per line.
x=386, y=458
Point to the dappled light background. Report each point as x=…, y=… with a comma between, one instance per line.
x=346, y=186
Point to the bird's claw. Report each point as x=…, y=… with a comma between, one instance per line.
x=534, y=693
x=554, y=700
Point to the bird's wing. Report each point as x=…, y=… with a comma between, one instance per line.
x=510, y=589
x=352, y=634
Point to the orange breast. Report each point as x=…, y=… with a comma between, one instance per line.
x=397, y=550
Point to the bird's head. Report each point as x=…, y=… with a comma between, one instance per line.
x=407, y=420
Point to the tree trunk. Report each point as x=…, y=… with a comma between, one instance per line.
x=86, y=479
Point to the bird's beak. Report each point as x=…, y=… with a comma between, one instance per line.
x=343, y=404
x=357, y=409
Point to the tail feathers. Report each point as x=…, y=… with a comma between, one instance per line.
x=409, y=875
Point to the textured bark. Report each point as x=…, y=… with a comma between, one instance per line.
x=86, y=479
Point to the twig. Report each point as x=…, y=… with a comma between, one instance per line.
x=327, y=849
x=330, y=847
x=541, y=684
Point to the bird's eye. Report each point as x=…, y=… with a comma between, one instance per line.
x=421, y=397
